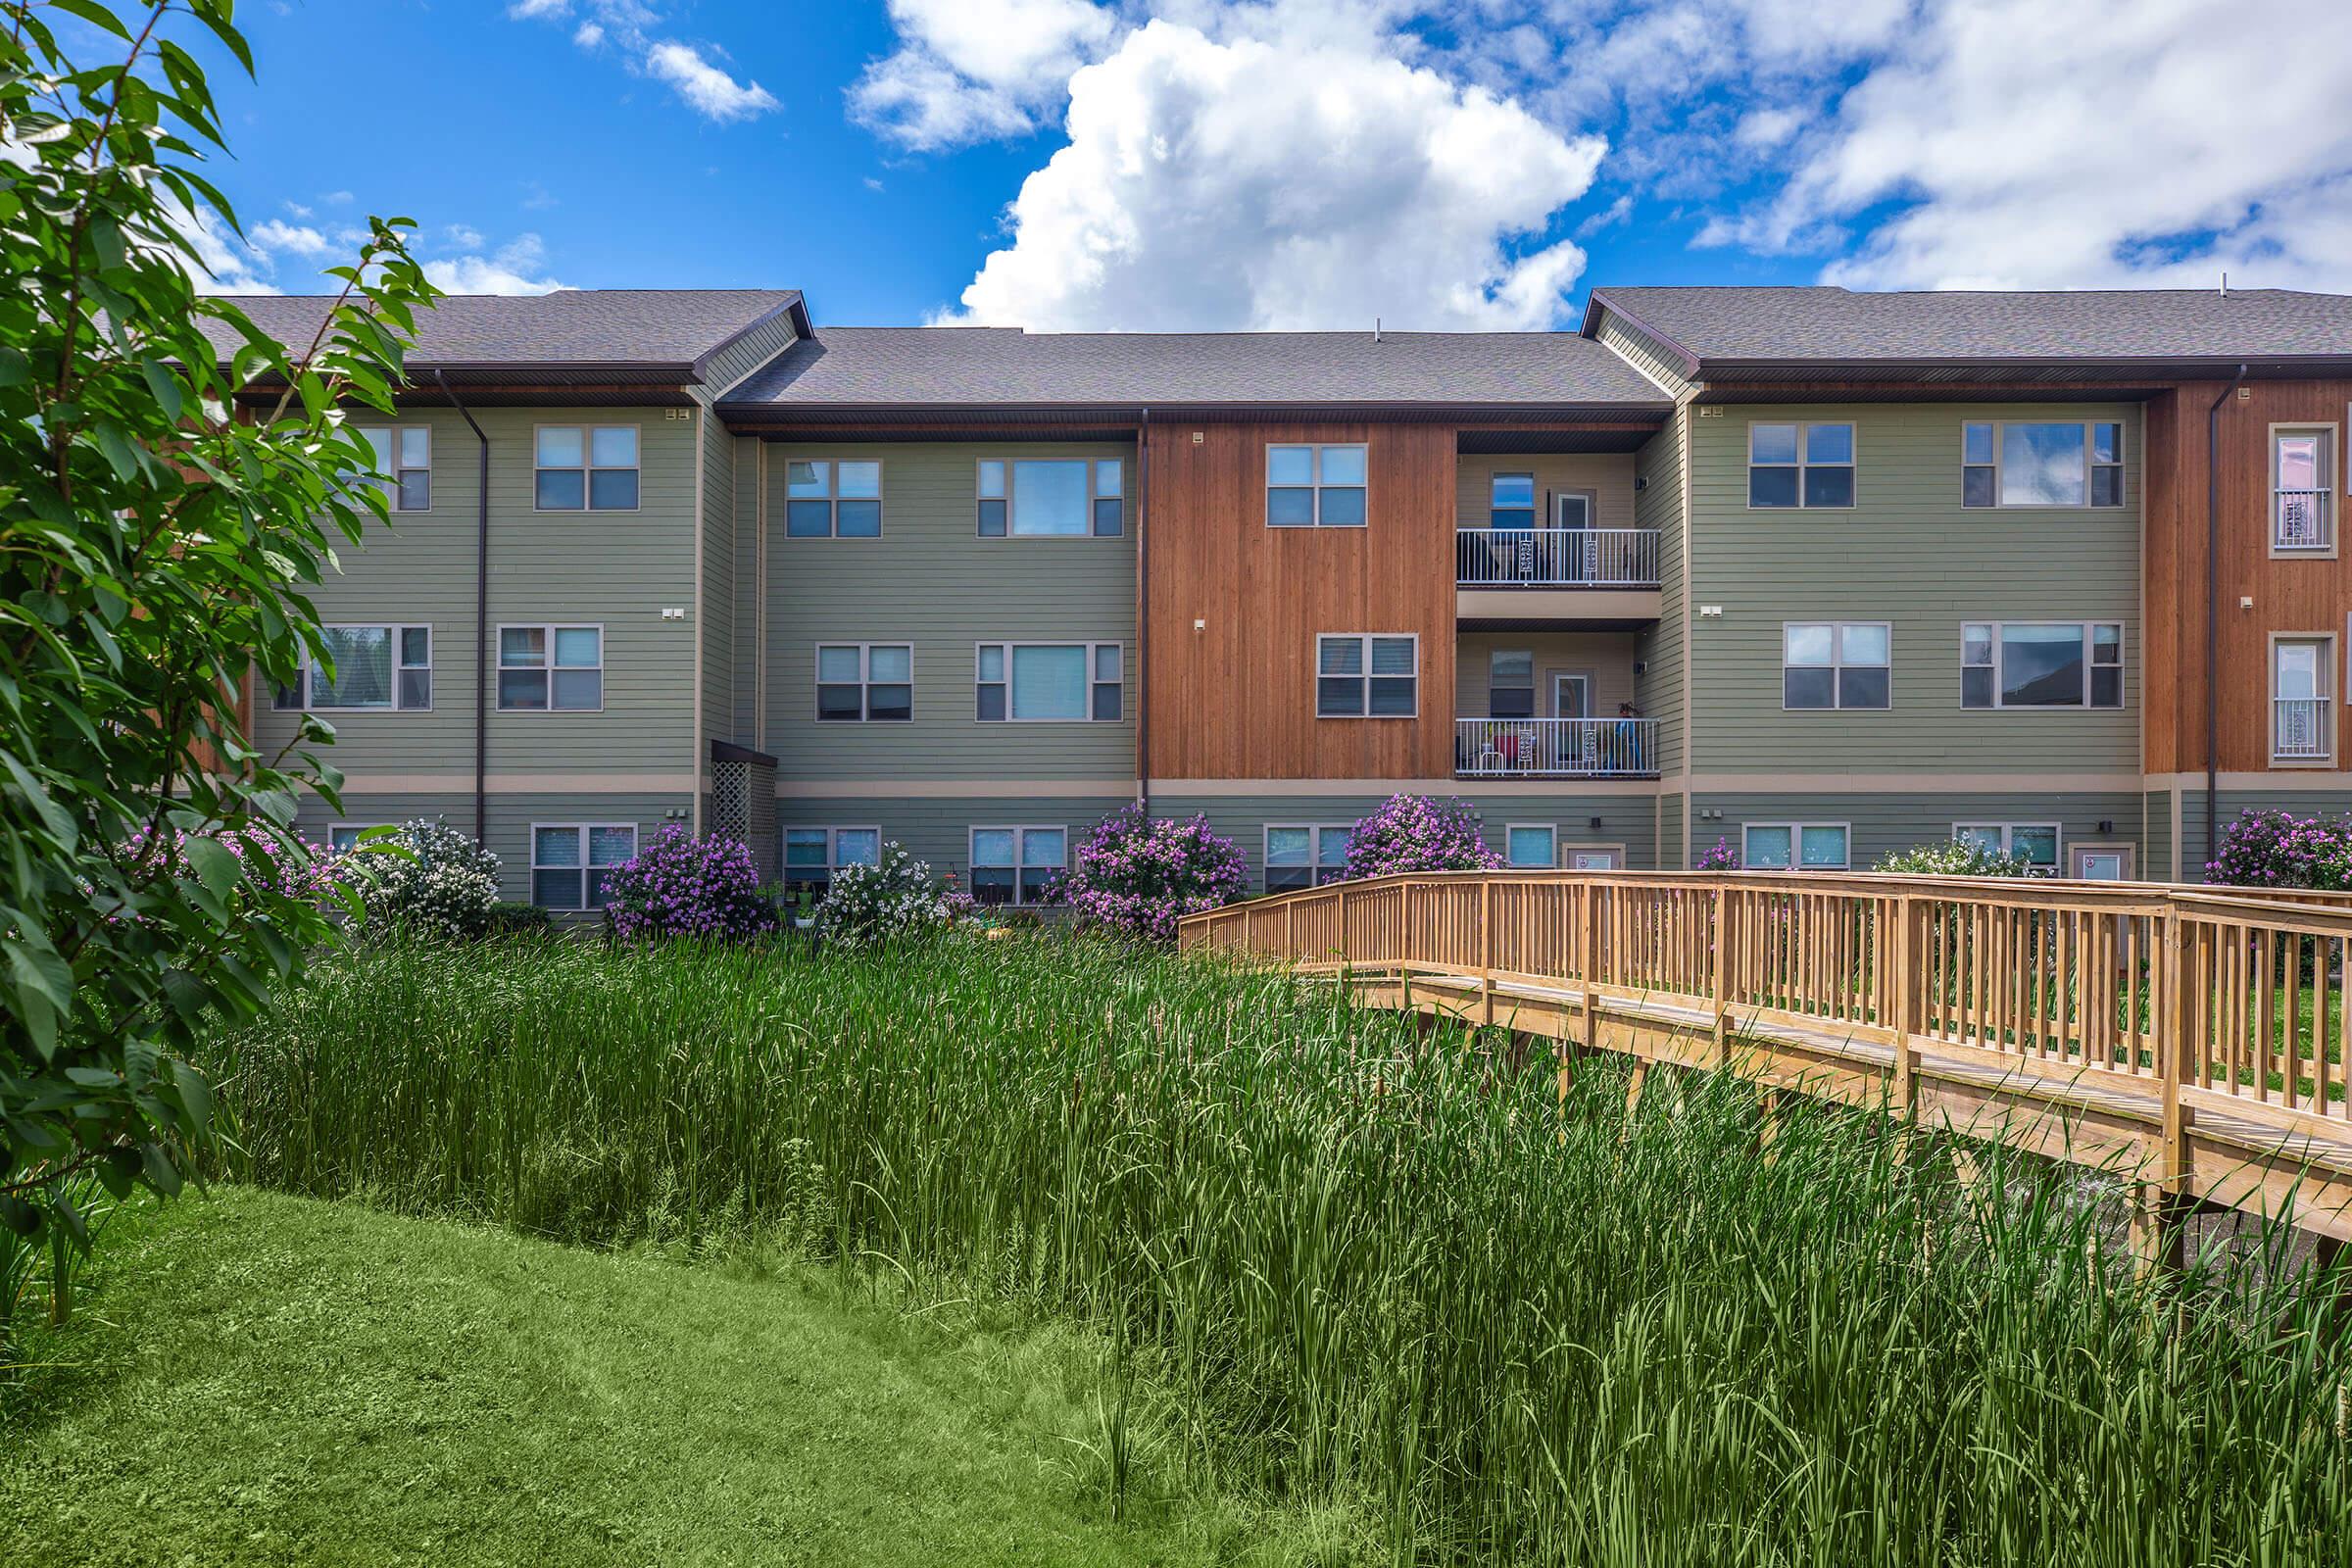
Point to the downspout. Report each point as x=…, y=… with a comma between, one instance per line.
x=1143, y=614
x=481, y=621
x=2213, y=614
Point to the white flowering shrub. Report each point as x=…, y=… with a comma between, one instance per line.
x=896, y=896
x=428, y=878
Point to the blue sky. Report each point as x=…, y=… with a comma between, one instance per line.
x=1180, y=164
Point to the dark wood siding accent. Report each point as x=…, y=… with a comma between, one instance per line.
x=1235, y=699
x=2290, y=594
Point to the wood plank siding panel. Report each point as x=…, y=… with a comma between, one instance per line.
x=1906, y=552
x=2290, y=594
x=1236, y=697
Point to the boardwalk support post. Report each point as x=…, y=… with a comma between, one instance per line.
x=2160, y=1212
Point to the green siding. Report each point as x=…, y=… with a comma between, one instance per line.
x=939, y=830
x=1881, y=824
x=1907, y=553
x=1626, y=819
x=1642, y=352
x=1672, y=854
x=930, y=581
x=616, y=568
x=718, y=582
x=2157, y=867
x=743, y=721
x=749, y=353
x=508, y=834
x=1659, y=505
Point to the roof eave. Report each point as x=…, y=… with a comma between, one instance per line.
x=750, y=412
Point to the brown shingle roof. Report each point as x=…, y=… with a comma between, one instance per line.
x=634, y=327
x=1841, y=325
x=992, y=367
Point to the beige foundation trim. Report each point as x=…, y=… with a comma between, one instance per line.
x=2285, y=781
x=520, y=783
x=955, y=789
x=1308, y=788
x=1915, y=783
x=1565, y=604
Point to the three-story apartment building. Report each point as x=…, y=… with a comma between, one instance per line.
x=1813, y=573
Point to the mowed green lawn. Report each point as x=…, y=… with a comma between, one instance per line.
x=261, y=1379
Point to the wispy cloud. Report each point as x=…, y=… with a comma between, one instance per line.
x=634, y=30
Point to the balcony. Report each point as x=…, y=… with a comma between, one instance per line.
x=1571, y=576
x=2299, y=730
x=1556, y=748
x=1556, y=558
x=2300, y=521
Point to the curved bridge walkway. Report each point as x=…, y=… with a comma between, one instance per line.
x=2187, y=1040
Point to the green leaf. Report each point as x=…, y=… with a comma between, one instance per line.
x=215, y=865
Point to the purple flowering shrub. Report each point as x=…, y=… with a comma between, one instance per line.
x=290, y=867
x=682, y=886
x=1417, y=833
x=1721, y=856
x=1138, y=875
x=2277, y=849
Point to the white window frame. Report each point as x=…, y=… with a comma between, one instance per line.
x=352, y=828
x=396, y=631
x=1796, y=846
x=1803, y=428
x=1551, y=835
x=390, y=482
x=1315, y=866
x=1006, y=495
x=1020, y=832
x=2330, y=460
x=1535, y=501
x=1566, y=853
x=1094, y=653
x=501, y=667
x=1366, y=639
x=588, y=468
x=865, y=682
x=2122, y=668
x=1315, y=485
x=833, y=861
x=584, y=829
x=2121, y=465
x=2327, y=698
x=2006, y=834
x=1838, y=666
x=831, y=500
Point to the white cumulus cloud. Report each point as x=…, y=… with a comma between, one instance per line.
x=299, y=239
x=1237, y=183
x=515, y=268
x=970, y=69
x=708, y=90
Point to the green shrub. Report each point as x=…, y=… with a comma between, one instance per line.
x=1953, y=857
x=892, y=900
x=427, y=879
x=510, y=919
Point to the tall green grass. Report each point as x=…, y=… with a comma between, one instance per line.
x=1372, y=1267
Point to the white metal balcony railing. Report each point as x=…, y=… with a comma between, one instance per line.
x=2300, y=521
x=2299, y=730
x=1556, y=558
x=1556, y=748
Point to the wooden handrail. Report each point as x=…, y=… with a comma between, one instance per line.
x=2185, y=992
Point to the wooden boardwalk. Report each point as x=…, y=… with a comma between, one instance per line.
x=2189, y=1041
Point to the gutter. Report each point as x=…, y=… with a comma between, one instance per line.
x=2213, y=614
x=481, y=621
